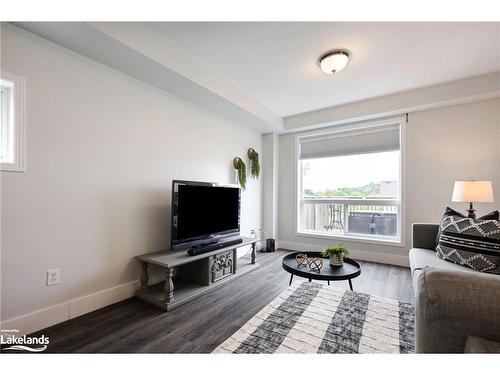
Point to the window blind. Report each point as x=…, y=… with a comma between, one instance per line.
x=350, y=142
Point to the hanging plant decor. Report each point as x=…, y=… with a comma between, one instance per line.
x=255, y=167
x=241, y=167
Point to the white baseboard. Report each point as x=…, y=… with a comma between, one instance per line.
x=49, y=316
x=37, y=320
x=94, y=301
x=377, y=257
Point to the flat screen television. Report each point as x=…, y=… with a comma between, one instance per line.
x=203, y=213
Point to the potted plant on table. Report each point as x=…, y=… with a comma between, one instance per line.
x=336, y=254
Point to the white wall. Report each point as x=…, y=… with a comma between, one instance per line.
x=102, y=149
x=270, y=184
x=460, y=142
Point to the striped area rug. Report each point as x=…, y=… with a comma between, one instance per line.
x=315, y=318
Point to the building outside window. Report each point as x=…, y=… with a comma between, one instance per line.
x=349, y=183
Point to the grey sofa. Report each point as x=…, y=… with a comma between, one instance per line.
x=454, y=305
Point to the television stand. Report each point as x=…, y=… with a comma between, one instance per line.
x=187, y=276
x=200, y=249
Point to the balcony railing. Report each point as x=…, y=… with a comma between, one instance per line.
x=350, y=216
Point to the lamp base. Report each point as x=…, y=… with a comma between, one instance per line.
x=471, y=212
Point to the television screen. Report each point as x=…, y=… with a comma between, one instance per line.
x=201, y=211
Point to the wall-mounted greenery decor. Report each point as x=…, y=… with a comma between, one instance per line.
x=241, y=167
x=254, y=159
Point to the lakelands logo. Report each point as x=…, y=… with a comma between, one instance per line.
x=22, y=343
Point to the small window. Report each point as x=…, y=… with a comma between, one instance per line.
x=350, y=184
x=11, y=123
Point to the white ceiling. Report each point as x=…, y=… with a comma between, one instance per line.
x=275, y=63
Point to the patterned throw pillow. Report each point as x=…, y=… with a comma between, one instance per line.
x=474, y=243
x=493, y=215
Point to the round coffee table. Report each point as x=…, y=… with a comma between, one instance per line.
x=348, y=271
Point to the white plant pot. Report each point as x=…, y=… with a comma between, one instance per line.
x=337, y=260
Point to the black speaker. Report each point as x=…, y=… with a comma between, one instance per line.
x=270, y=245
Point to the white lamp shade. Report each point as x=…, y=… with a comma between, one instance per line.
x=473, y=191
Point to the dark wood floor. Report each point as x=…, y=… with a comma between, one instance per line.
x=133, y=326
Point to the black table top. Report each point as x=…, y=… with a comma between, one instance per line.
x=349, y=270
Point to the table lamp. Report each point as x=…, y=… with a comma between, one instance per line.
x=472, y=192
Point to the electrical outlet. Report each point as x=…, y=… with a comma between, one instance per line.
x=53, y=277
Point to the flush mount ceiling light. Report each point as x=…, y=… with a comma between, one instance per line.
x=333, y=62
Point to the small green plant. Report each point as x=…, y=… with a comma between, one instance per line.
x=254, y=159
x=242, y=172
x=338, y=249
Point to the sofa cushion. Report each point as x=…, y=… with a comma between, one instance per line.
x=421, y=258
x=479, y=345
x=474, y=243
x=493, y=215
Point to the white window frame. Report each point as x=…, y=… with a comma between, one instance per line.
x=353, y=129
x=18, y=163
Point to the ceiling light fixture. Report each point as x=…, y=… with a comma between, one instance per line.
x=333, y=62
